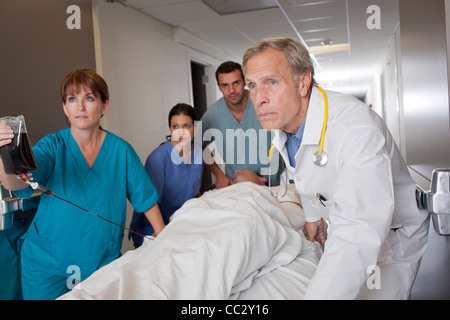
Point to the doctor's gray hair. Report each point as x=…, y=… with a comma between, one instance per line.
x=297, y=55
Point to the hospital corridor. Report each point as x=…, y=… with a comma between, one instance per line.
x=225, y=150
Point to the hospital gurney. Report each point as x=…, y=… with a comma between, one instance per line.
x=235, y=242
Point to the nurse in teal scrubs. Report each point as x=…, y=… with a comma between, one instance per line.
x=10, y=288
x=92, y=168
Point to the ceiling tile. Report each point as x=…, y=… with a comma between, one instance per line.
x=185, y=11
x=340, y=21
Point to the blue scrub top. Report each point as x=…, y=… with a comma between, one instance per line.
x=175, y=182
x=61, y=234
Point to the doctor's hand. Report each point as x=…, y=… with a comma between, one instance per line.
x=315, y=231
x=6, y=133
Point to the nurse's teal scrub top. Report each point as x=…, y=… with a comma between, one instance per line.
x=62, y=235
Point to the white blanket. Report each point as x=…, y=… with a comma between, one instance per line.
x=214, y=248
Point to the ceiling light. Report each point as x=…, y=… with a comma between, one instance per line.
x=329, y=48
x=237, y=6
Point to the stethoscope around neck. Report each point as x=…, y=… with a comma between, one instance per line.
x=320, y=157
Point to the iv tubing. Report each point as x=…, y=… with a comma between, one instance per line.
x=35, y=185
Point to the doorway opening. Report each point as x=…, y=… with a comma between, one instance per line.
x=199, y=81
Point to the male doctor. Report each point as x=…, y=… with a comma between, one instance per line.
x=376, y=235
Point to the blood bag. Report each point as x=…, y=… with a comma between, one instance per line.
x=17, y=156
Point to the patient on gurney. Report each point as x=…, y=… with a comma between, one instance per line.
x=234, y=242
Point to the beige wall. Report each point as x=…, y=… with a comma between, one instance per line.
x=36, y=51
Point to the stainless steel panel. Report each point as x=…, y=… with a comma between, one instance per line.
x=8, y=205
x=425, y=85
x=426, y=122
x=11, y=206
x=6, y=221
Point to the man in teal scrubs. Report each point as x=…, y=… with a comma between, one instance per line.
x=232, y=123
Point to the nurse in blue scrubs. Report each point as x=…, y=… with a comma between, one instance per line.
x=175, y=167
x=92, y=168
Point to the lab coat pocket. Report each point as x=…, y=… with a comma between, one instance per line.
x=316, y=207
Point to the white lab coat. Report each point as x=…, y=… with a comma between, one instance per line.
x=370, y=202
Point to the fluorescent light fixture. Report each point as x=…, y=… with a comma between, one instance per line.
x=329, y=48
x=236, y=6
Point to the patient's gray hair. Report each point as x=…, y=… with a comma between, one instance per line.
x=297, y=55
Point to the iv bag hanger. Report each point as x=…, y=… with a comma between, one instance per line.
x=437, y=200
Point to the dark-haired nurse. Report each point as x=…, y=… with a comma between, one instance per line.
x=175, y=168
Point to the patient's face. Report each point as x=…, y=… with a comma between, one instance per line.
x=248, y=175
